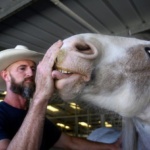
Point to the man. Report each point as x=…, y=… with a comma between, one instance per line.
x=23, y=125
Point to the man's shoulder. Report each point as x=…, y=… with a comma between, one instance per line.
x=10, y=111
x=3, y=113
x=2, y=107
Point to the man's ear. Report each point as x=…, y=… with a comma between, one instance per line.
x=4, y=75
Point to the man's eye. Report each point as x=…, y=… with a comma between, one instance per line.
x=22, y=68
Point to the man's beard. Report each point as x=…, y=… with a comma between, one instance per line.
x=25, y=90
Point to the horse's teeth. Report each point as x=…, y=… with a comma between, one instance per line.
x=64, y=71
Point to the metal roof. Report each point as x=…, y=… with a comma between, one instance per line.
x=38, y=24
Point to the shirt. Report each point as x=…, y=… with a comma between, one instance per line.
x=11, y=119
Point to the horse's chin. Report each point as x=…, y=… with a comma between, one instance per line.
x=69, y=88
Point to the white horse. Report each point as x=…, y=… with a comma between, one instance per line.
x=113, y=73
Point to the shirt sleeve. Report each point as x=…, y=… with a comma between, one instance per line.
x=51, y=134
x=3, y=134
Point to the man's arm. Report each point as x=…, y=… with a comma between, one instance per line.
x=29, y=135
x=4, y=144
x=74, y=143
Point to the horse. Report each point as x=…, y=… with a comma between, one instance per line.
x=111, y=72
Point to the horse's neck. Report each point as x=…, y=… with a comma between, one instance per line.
x=143, y=130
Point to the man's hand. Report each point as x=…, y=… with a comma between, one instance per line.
x=44, y=81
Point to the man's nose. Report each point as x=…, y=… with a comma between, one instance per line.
x=30, y=72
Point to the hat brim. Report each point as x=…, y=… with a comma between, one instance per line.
x=10, y=56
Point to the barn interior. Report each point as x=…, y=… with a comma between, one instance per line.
x=37, y=24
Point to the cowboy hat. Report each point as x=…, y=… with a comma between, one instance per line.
x=10, y=56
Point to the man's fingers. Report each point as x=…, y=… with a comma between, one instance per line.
x=51, y=53
x=55, y=47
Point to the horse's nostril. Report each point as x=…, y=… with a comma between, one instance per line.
x=85, y=49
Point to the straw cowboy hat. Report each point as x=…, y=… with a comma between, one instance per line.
x=10, y=56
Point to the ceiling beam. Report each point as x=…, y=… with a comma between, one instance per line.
x=10, y=7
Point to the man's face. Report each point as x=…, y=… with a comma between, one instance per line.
x=22, y=75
